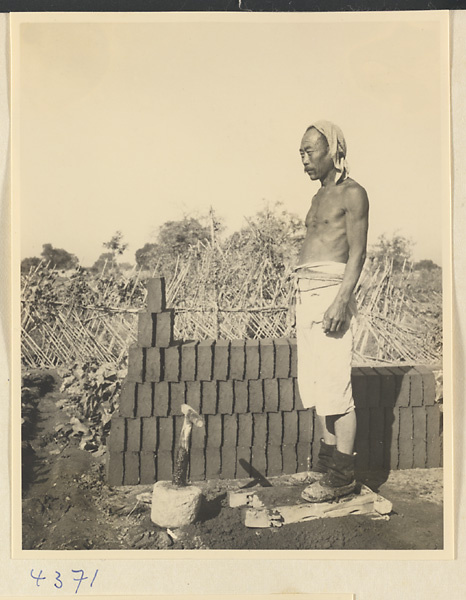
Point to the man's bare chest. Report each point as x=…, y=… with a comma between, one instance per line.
x=325, y=211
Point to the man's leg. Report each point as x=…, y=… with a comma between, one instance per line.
x=340, y=430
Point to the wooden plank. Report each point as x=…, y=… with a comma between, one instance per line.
x=360, y=504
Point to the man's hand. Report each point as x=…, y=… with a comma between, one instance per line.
x=335, y=317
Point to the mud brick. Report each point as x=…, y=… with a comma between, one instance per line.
x=245, y=429
x=293, y=357
x=212, y=463
x=237, y=359
x=136, y=360
x=358, y=384
x=274, y=460
x=214, y=431
x=252, y=359
x=434, y=448
x=243, y=461
x=127, y=403
x=259, y=459
x=166, y=432
x=290, y=427
x=225, y=397
x=156, y=294
x=230, y=430
x=164, y=465
x=372, y=386
x=147, y=469
x=131, y=461
x=406, y=438
x=392, y=437
x=161, y=398
x=188, y=361
x=144, y=406
x=164, y=322
x=133, y=435
x=402, y=385
x=149, y=434
x=177, y=397
x=275, y=428
x=117, y=439
x=198, y=437
x=171, y=363
x=282, y=358
x=318, y=433
x=259, y=435
x=197, y=464
x=298, y=403
x=376, y=438
x=267, y=359
x=241, y=397
x=221, y=356
x=428, y=385
x=420, y=437
x=387, y=387
x=415, y=389
x=178, y=425
x=290, y=460
x=115, y=468
x=270, y=395
x=193, y=395
x=209, y=398
x=228, y=465
x=153, y=364
x=303, y=454
x=205, y=355
x=285, y=394
x=256, y=395
x=362, y=439
x=146, y=330
x=305, y=425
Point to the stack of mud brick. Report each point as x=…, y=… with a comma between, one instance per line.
x=255, y=422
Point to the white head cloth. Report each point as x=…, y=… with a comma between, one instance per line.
x=337, y=147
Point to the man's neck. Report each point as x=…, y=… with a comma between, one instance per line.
x=329, y=179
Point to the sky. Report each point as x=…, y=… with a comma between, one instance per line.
x=123, y=126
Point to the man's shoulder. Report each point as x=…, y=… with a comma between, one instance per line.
x=353, y=187
x=355, y=196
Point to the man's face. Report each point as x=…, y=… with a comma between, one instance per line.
x=315, y=154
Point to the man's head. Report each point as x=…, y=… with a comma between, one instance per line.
x=323, y=149
x=315, y=154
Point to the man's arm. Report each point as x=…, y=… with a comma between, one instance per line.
x=357, y=212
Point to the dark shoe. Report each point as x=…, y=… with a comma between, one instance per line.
x=339, y=481
x=324, y=460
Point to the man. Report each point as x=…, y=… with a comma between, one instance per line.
x=329, y=266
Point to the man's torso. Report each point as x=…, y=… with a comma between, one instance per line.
x=326, y=238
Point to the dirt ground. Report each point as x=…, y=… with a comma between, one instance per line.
x=67, y=505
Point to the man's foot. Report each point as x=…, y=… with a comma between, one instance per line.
x=320, y=492
x=339, y=480
x=324, y=460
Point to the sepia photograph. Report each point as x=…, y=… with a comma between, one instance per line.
x=232, y=283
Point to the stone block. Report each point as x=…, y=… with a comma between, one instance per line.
x=270, y=395
x=144, y=405
x=133, y=435
x=115, y=468
x=117, y=438
x=154, y=363
x=177, y=397
x=285, y=394
x=171, y=367
x=164, y=323
x=282, y=358
x=149, y=434
x=193, y=395
x=136, y=360
x=205, y=357
x=225, y=397
x=131, y=461
x=252, y=359
x=240, y=396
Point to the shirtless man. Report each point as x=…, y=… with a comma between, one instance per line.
x=329, y=266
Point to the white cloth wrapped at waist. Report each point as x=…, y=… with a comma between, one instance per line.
x=316, y=275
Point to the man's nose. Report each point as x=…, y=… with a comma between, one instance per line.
x=305, y=159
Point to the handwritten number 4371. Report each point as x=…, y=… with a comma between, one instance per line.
x=58, y=578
